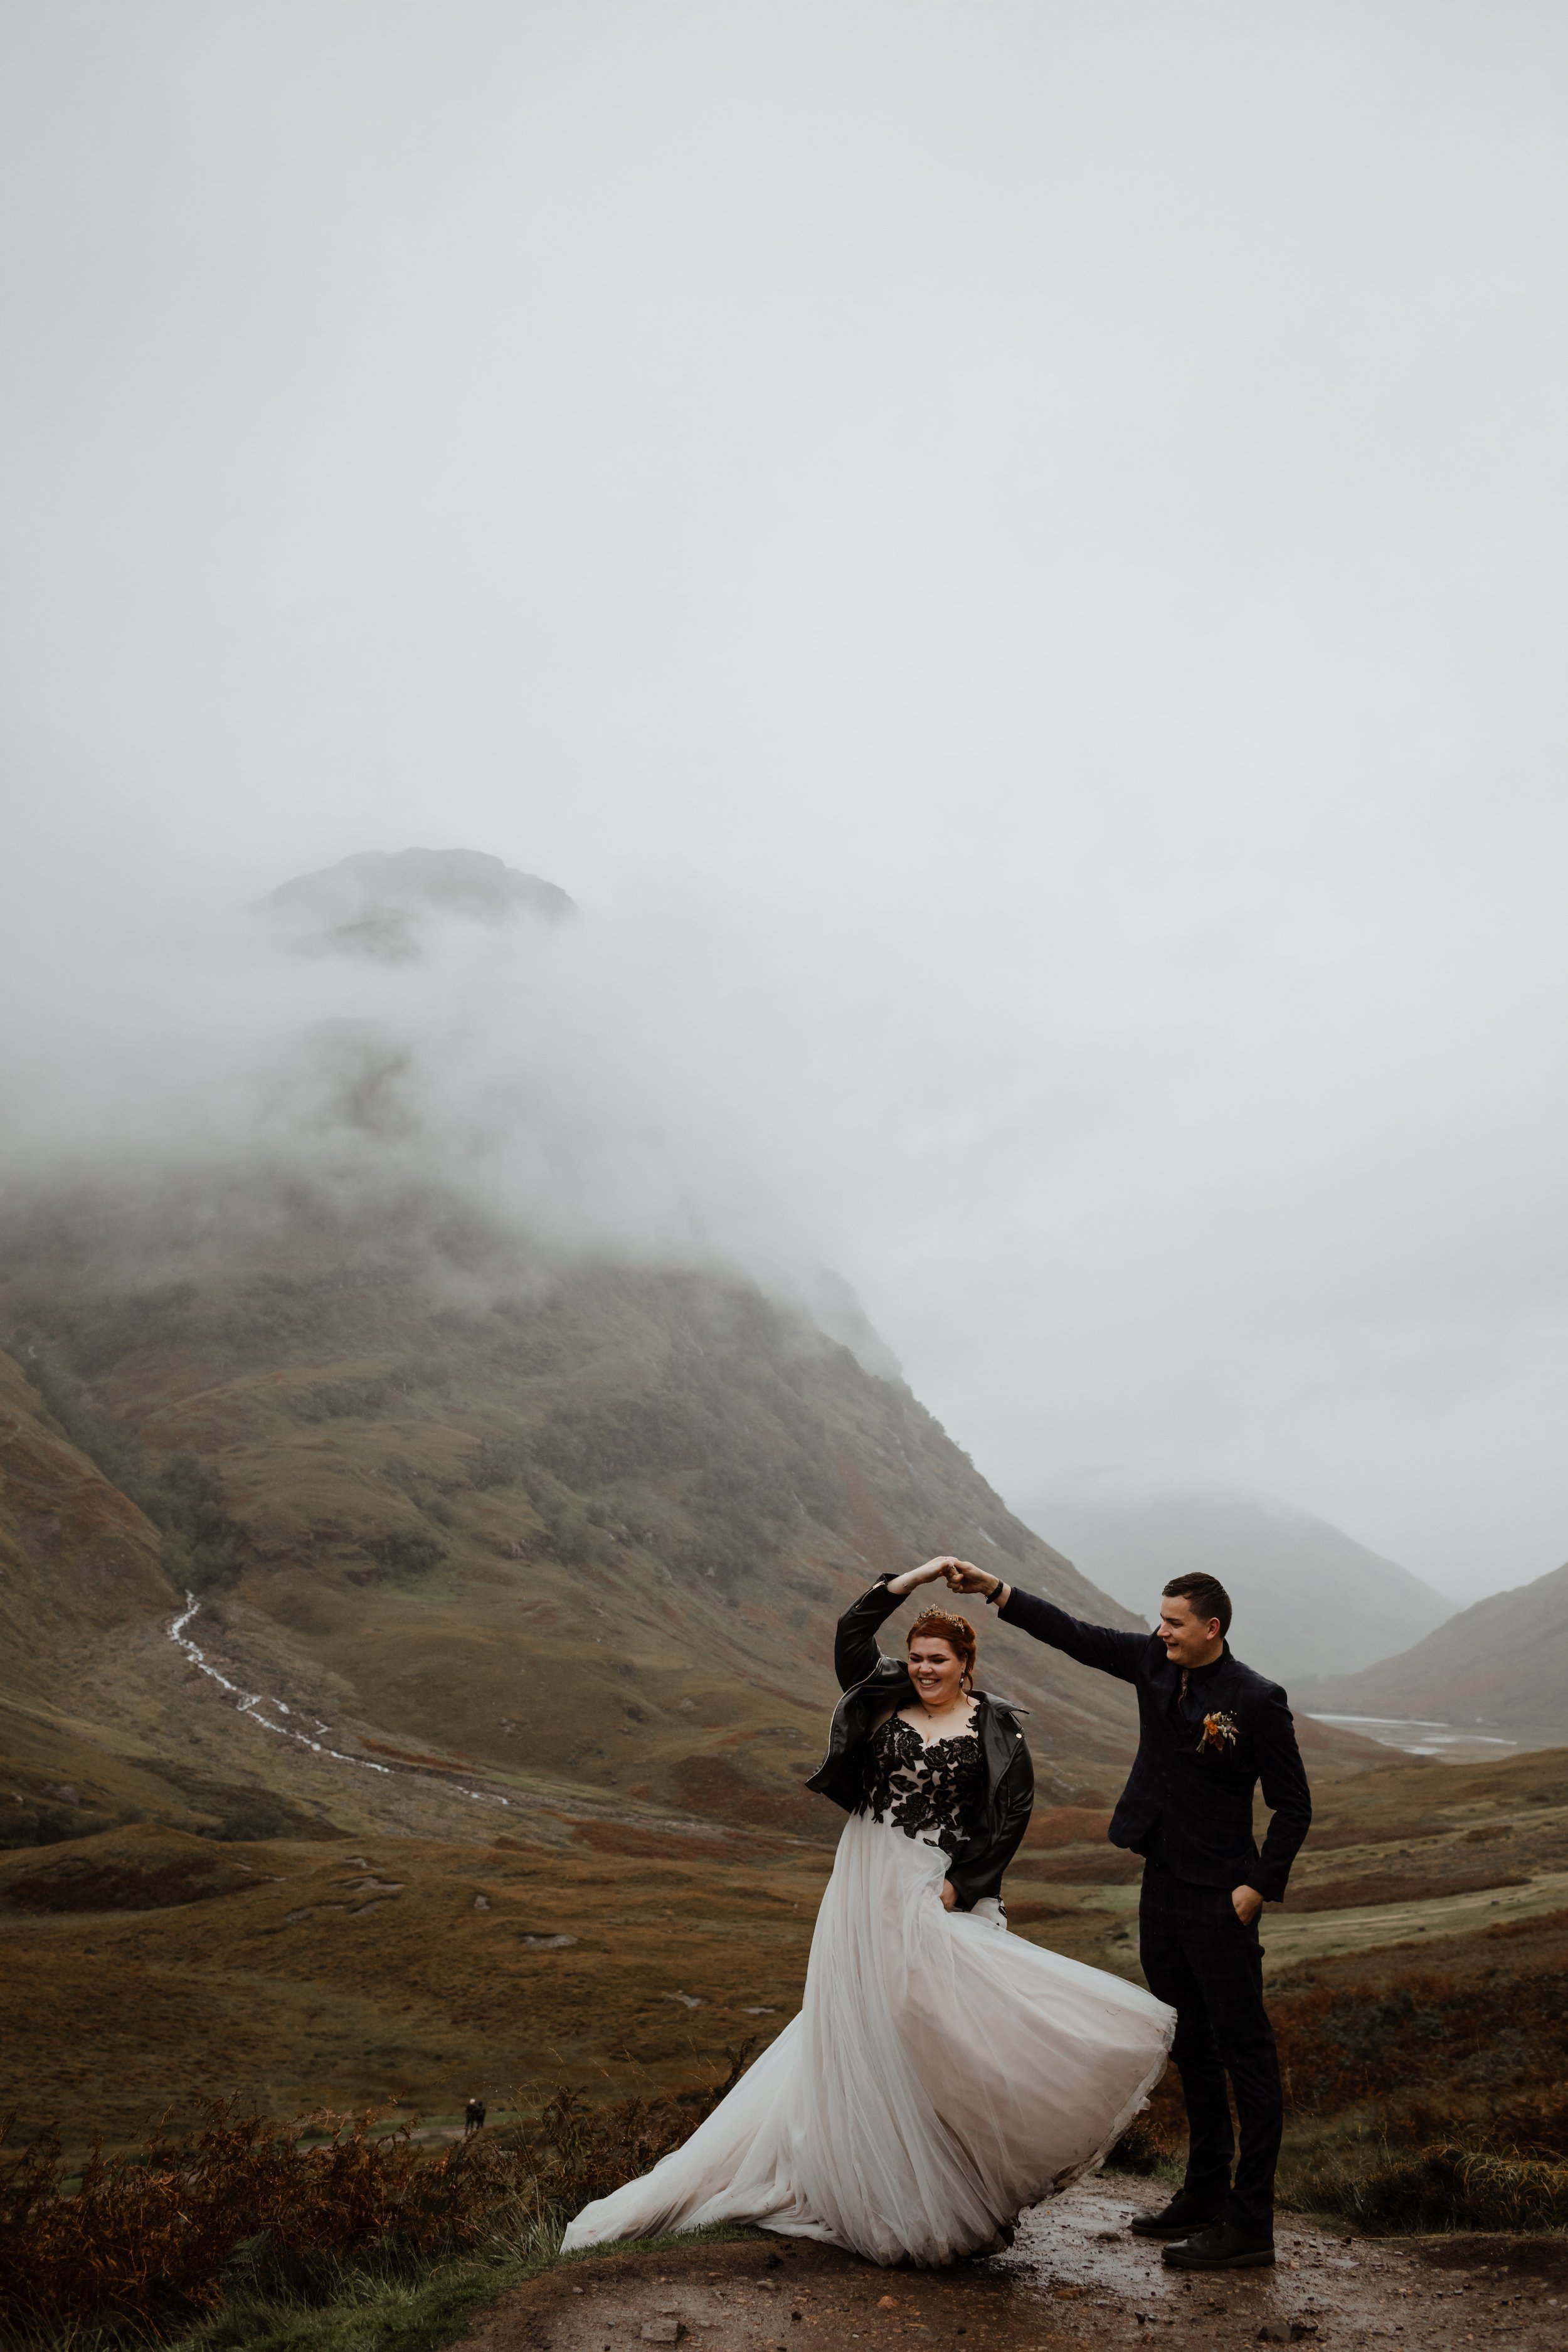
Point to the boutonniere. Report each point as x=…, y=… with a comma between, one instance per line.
x=1219, y=1732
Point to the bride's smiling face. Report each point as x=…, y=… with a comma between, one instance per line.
x=936, y=1671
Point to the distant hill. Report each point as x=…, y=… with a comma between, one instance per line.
x=1503, y=1663
x=572, y=1530
x=1308, y=1599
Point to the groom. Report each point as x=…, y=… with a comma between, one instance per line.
x=1210, y=1731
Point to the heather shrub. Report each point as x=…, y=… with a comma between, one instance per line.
x=243, y=2208
x=1446, y=2186
x=1152, y=2144
x=156, y=2236
x=1343, y=2044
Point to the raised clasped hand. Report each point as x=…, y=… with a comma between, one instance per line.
x=963, y=1576
x=931, y=1572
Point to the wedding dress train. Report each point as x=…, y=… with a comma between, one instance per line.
x=941, y=2076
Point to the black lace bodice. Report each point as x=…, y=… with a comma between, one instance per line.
x=936, y=1793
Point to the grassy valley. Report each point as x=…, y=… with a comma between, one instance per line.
x=478, y=1769
x=155, y=1970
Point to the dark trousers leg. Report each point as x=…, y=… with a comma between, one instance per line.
x=1169, y=1975
x=1198, y=1955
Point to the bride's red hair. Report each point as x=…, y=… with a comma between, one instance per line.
x=941, y=1625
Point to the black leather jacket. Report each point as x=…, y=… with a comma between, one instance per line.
x=876, y=1686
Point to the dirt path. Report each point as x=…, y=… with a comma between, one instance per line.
x=1074, y=2277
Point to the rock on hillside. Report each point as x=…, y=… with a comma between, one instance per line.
x=563, y=1526
x=1503, y=1663
x=1308, y=1599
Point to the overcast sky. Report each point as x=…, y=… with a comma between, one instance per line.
x=1012, y=558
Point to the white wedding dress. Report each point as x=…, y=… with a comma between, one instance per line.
x=941, y=2076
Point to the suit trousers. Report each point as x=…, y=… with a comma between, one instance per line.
x=1198, y=1955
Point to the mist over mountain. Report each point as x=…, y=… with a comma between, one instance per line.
x=1308, y=1599
x=504, y=442
x=1502, y=1664
x=410, y=1019
x=379, y=1349
x=382, y=903
x=770, y=775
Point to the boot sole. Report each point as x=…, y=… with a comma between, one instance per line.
x=1176, y=2229
x=1259, y=2261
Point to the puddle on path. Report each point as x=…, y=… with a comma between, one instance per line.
x=1074, y=2277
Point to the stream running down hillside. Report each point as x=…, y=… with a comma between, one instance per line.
x=250, y=1702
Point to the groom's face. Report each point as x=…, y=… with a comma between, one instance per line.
x=1190, y=1640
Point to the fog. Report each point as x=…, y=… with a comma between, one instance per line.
x=1011, y=561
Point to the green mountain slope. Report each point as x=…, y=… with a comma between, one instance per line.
x=88, y=1737
x=556, y=1534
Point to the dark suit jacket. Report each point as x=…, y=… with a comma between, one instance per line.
x=1187, y=1801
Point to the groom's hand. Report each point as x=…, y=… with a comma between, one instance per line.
x=963, y=1576
x=949, y=1895
x=1246, y=1902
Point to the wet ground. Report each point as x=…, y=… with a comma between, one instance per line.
x=1074, y=2278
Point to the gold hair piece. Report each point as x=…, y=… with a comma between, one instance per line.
x=944, y=1617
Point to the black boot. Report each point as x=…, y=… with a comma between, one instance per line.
x=1224, y=2246
x=1188, y=2209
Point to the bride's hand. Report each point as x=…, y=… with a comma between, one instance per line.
x=949, y=1895
x=932, y=1572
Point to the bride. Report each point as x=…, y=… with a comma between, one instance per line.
x=942, y=2074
